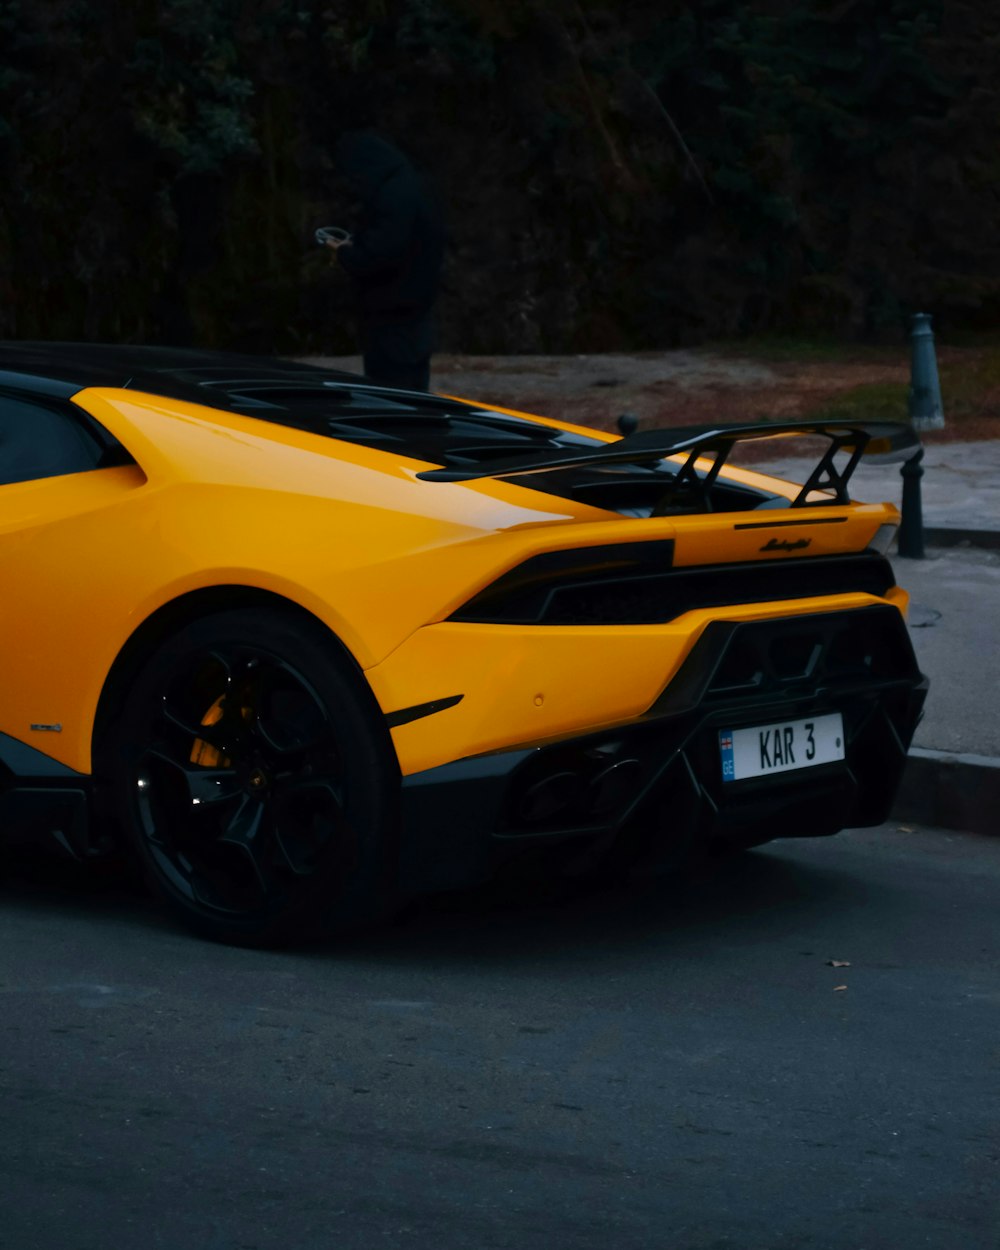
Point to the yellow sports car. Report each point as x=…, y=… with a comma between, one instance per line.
x=306, y=646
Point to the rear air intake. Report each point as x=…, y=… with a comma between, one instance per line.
x=634, y=584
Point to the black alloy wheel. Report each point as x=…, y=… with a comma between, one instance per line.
x=255, y=779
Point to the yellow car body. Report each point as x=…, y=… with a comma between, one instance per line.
x=199, y=506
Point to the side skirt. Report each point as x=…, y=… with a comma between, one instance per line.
x=43, y=801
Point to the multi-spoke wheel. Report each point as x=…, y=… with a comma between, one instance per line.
x=255, y=779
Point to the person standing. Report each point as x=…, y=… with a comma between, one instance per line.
x=393, y=259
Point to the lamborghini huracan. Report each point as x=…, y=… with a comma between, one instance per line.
x=305, y=646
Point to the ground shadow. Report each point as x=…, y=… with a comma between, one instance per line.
x=511, y=922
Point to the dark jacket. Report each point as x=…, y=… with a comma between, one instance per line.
x=397, y=250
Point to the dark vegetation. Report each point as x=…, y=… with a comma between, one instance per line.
x=616, y=175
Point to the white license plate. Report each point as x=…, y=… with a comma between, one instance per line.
x=780, y=748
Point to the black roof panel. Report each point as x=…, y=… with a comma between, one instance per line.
x=283, y=391
x=170, y=371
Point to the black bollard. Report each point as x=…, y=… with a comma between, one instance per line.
x=628, y=423
x=911, y=526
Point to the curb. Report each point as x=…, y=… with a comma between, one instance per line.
x=952, y=536
x=950, y=791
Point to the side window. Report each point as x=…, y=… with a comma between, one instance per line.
x=38, y=441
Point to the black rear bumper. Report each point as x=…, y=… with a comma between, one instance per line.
x=648, y=789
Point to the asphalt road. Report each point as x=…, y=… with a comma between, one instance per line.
x=616, y=1071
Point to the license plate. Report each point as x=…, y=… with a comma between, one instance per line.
x=780, y=748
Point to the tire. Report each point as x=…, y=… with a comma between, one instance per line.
x=254, y=779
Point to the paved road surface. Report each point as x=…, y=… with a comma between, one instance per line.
x=614, y=1071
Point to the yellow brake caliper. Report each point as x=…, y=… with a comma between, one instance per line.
x=203, y=752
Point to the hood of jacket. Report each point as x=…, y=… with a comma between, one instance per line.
x=367, y=161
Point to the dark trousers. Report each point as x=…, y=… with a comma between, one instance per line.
x=398, y=353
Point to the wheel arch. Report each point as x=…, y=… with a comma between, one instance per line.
x=175, y=615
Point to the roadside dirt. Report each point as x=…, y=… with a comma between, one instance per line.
x=682, y=387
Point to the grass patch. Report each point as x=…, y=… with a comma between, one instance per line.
x=876, y=401
x=969, y=370
x=970, y=386
x=970, y=394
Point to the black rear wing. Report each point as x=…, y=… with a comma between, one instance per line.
x=888, y=440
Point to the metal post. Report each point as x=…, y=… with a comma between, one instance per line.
x=911, y=526
x=926, y=411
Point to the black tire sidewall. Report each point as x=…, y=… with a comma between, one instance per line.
x=338, y=894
